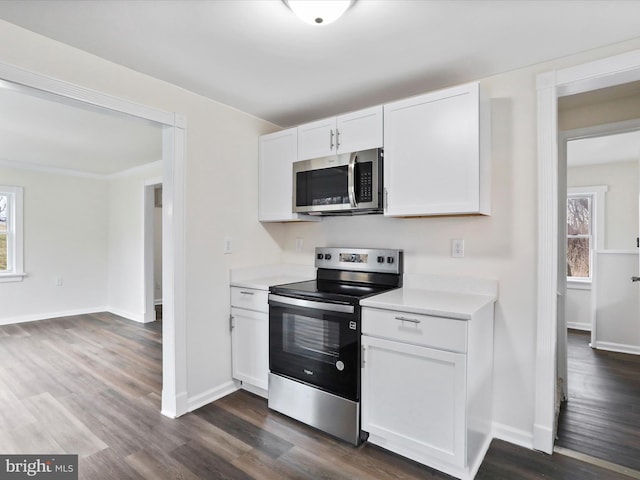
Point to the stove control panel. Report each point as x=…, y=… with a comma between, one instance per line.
x=360, y=259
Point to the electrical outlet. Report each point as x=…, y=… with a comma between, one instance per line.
x=457, y=248
x=227, y=245
x=299, y=245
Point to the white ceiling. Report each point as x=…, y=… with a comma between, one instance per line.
x=622, y=147
x=41, y=132
x=256, y=56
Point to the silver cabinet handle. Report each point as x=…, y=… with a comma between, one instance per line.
x=337, y=139
x=411, y=320
x=331, y=139
x=244, y=292
x=231, y=323
x=635, y=279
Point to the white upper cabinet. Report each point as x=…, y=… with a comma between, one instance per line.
x=435, y=154
x=277, y=153
x=346, y=133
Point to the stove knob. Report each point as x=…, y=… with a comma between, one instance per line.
x=327, y=256
x=380, y=259
x=390, y=259
x=320, y=256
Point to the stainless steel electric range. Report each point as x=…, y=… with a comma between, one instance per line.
x=314, y=337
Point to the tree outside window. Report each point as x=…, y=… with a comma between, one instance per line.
x=579, y=236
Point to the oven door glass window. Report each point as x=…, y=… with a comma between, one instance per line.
x=317, y=347
x=312, y=338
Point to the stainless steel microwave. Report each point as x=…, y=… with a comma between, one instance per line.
x=344, y=184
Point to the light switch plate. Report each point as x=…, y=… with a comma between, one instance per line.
x=457, y=248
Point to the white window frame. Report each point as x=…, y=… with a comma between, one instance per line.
x=15, y=246
x=597, y=195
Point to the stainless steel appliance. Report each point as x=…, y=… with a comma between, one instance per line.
x=340, y=184
x=314, y=337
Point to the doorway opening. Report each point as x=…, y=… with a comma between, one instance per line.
x=619, y=70
x=174, y=376
x=599, y=310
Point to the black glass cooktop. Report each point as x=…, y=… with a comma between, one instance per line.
x=329, y=290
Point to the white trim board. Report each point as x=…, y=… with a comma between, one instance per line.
x=51, y=315
x=610, y=71
x=174, y=355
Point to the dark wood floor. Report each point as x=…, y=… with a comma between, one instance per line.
x=91, y=385
x=602, y=416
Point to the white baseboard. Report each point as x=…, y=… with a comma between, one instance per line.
x=211, y=395
x=136, y=317
x=174, y=407
x=543, y=438
x=617, y=347
x=585, y=327
x=516, y=436
x=49, y=315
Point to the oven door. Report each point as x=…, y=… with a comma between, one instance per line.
x=316, y=342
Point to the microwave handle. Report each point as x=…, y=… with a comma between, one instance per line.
x=351, y=179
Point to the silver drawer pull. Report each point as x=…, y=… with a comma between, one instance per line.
x=411, y=320
x=243, y=292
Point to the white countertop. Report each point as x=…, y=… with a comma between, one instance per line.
x=462, y=306
x=263, y=283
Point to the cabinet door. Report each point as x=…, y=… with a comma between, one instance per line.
x=250, y=347
x=359, y=130
x=317, y=139
x=432, y=153
x=277, y=153
x=413, y=400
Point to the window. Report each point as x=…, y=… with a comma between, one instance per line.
x=11, y=265
x=585, y=230
x=579, y=236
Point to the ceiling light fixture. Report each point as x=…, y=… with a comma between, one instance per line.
x=318, y=12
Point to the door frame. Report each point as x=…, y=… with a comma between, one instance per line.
x=602, y=73
x=174, y=357
x=149, y=248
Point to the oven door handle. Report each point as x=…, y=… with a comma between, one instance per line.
x=298, y=302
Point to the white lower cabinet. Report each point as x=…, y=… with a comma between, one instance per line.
x=250, y=344
x=426, y=387
x=413, y=399
x=250, y=338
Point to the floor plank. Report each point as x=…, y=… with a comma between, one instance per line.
x=602, y=415
x=91, y=385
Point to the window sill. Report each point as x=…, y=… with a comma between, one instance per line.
x=12, y=277
x=573, y=284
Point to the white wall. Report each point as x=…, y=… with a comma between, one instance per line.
x=65, y=235
x=617, y=302
x=221, y=200
x=221, y=189
x=578, y=307
x=621, y=199
x=126, y=243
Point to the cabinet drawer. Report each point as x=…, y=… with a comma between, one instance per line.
x=250, y=298
x=435, y=332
